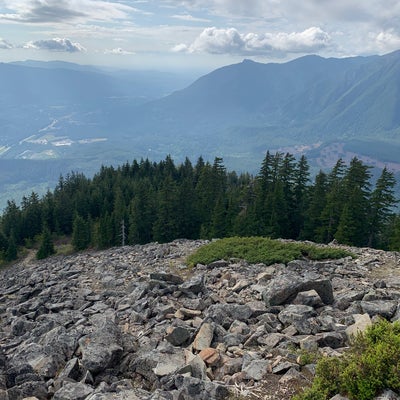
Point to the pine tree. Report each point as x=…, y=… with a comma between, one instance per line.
x=3, y=243
x=11, y=222
x=300, y=191
x=46, y=248
x=353, y=224
x=381, y=208
x=189, y=225
x=142, y=213
x=219, y=223
x=330, y=215
x=104, y=232
x=12, y=249
x=166, y=225
x=316, y=205
x=394, y=233
x=31, y=216
x=81, y=233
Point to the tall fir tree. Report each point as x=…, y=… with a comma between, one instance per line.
x=46, y=248
x=166, y=225
x=330, y=215
x=11, y=253
x=353, y=223
x=81, y=233
x=315, y=206
x=381, y=210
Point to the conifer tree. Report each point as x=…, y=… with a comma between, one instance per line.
x=81, y=233
x=46, y=248
x=142, y=213
x=381, y=208
x=12, y=222
x=393, y=236
x=300, y=191
x=3, y=244
x=353, y=224
x=31, y=216
x=166, y=225
x=104, y=232
x=316, y=205
x=330, y=215
x=12, y=249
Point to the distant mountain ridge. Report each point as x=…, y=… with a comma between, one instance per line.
x=325, y=108
x=331, y=96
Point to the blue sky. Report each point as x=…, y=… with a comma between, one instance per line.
x=194, y=34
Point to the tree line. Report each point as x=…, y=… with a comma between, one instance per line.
x=144, y=201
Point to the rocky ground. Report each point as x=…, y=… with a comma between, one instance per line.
x=135, y=323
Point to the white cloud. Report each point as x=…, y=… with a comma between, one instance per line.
x=218, y=41
x=118, y=51
x=55, y=11
x=231, y=8
x=56, y=44
x=290, y=10
x=180, y=48
x=189, y=18
x=230, y=41
x=5, y=45
x=311, y=39
x=388, y=41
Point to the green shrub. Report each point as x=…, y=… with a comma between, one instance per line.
x=308, y=357
x=370, y=366
x=262, y=250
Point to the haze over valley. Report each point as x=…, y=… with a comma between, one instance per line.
x=57, y=117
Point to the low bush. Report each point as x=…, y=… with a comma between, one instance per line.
x=262, y=250
x=369, y=367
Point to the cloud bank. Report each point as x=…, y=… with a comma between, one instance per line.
x=231, y=41
x=5, y=45
x=118, y=51
x=55, y=11
x=56, y=44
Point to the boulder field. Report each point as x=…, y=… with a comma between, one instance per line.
x=136, y=323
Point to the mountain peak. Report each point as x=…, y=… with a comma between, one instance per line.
x=248, y=61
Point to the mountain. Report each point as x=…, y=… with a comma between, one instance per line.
x=56, y=117
x=247, y=108
x=80, y=117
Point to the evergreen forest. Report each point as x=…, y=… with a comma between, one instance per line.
x=144, y=201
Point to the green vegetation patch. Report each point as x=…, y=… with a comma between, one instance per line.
x=262, y=250
x=369, y=367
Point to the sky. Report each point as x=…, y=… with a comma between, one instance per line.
x=194, y=34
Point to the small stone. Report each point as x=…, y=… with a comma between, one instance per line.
x=210, y=356
x=362, y=322
x=73, y=391
x=292, y=375
x=204, y=337
x=166, y=277
x=388, y=395
x=177, y=335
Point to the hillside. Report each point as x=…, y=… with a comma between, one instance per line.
x=242, y=110
x=59, y=117
x=134, y=322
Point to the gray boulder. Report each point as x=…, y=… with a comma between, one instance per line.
x=102, y=348
x=284, y=289
x=73, y=391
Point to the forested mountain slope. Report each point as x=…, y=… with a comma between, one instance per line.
x=144, y=201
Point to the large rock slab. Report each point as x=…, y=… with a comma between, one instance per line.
x=101, y=348
x=284, y=289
